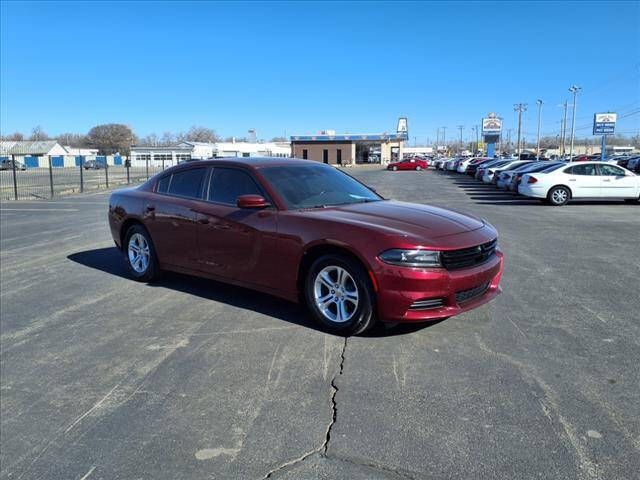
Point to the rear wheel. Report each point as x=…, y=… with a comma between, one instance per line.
x=339, y=295
x=418, y=167
x=394, y=168
x=558, y=196
x=139, y=254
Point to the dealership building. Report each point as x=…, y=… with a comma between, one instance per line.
x=351, y=148
x=185, y=151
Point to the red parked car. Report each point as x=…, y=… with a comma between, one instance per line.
x=306, y=231
x=409, y=164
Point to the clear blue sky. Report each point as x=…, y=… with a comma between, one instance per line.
x=302, y=67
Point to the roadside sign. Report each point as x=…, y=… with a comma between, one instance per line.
x=604, y=123
x=491, y=126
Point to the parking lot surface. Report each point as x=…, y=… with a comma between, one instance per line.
x=103, y=377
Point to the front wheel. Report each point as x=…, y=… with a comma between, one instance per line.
x=418, y=168
x=394, y=168
x=140, y=255
x=558, y=196
x=338, y=293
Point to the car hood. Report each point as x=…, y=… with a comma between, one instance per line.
x=402, y=219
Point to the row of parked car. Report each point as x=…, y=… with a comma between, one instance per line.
x=555, y=182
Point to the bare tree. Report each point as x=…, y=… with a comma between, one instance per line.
x=279, y=139
x=111, y=138
x=75, y=140
x=168, y=138
x=16, y=136
x=202, y=134
x=37, y=133
x=150, y=140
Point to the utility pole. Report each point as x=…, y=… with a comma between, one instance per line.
x=461, y=127
x=519, y=107
x=437, y=139
x=509, y=137
x=574, y=89
x=444, y=137
x=539, y=102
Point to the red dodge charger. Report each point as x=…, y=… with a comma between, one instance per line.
x=306, y=231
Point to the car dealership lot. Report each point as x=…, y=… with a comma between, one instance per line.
x=103, y=377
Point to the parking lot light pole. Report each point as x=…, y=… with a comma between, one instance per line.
x=574, y=89
x=539, y=102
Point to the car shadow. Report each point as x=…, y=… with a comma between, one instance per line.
x=109, y=260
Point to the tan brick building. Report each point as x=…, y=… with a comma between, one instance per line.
x=349, y=149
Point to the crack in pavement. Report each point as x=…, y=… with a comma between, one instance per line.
x=322, y=449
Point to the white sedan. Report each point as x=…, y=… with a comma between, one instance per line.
x=490, y=173
x=462, y=166
x=581, y=180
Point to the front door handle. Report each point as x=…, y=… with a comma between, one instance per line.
x=151, y=208
x=606, y=180
x=203, y=221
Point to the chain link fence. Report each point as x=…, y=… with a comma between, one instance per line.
x=20, y=181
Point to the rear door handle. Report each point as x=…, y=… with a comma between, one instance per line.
x=203, y=221
x=151, y=208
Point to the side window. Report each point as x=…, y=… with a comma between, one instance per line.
x=163, y=184
x=611, y=171
x=588, y=169
x=227, y=184
x=186, y=183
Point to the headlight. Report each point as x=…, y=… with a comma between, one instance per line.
x=412, y=258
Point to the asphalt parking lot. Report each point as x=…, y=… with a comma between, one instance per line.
x=103, y=377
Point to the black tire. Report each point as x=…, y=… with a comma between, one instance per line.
x=558, y=196
x=152, y=270
x=363, y=317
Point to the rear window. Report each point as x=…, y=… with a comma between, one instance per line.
x=186, y=183
x=163, y=184
x=552, y=168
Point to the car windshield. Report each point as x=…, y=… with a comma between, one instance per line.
x=315, y=186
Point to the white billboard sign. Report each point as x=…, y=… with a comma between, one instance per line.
x=491, y=126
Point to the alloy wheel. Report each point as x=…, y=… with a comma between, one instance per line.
x=138, y=251
x=335, y=294
x=559, y=196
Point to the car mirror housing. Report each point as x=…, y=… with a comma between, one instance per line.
x=252, y=201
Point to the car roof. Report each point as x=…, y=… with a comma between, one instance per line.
x=255, y=162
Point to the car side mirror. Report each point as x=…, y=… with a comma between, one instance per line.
x=252, y=201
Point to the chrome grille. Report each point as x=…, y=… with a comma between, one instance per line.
x=468, y=257
x=466, y=295
x=427, y=304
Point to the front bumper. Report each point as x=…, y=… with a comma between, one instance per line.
x=400, y=287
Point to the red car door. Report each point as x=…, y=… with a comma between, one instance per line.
x=168, y=215
x=236, y=243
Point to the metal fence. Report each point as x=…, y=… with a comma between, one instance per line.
x=18, y=181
